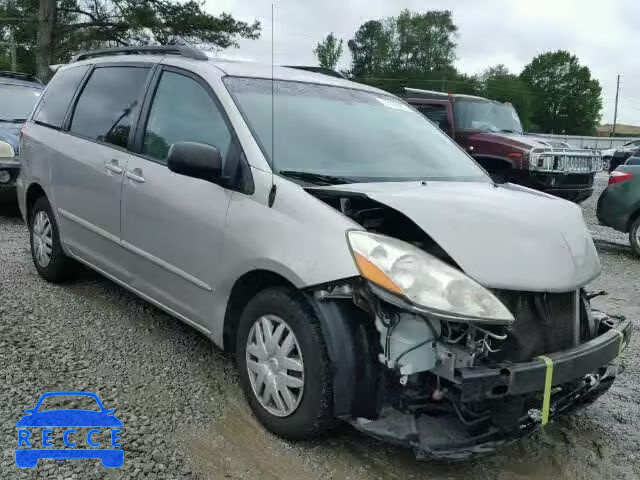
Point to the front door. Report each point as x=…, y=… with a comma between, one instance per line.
x=88, y=175
x=173, y=225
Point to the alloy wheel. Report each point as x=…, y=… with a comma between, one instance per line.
x=42, y=239
x=275, y=365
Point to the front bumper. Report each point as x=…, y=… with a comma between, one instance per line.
x=13, y=168
x=517, y=398
x=575, y=187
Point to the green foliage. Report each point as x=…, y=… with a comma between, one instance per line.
x=411, y=43
x=329, y=51
x=87, y=24
x=567, y=99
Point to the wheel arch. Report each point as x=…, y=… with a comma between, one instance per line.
x=34, y=192
x=243, y=290
x=632, y=218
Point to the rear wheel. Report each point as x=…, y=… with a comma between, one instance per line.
x=283, y=365
x=634, y=236
x=48, y=257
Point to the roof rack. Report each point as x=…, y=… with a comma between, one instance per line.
x=323, y=70
x=425, y=92
x=188, y=52
x=19, y=76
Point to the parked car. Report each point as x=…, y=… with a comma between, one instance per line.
x=623, y=153
x=358, y=263
x=19, y=93
x=619, y=204
x=492, y=134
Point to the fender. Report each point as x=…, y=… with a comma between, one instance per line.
x=347, y=331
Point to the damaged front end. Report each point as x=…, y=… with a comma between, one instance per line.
x=426, y=358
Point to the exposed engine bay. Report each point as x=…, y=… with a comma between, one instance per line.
x=451, y=388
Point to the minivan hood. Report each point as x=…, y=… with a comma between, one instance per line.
x=503, y=236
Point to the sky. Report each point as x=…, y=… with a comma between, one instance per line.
x=603, y=35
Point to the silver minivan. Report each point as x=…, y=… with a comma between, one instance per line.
x=358, y=263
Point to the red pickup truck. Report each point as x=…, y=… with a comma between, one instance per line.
x=491, y=132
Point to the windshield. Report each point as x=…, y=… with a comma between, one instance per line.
x=344, y=135
x=17, y=101
x=486, y=115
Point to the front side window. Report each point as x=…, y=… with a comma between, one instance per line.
x=437, y=113
x=348, y=134
x=108, y=105
x=56, y=99
x=183, y=111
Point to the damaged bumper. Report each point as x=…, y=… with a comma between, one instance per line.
x=497, y=404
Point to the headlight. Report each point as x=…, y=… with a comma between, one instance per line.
x=424, y=280
x=540, y=160
x=6, y=150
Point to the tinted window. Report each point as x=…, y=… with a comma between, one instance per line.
x=436, y=113
x=633, y=161
x=183, y=110
x=55, y=102
x=109, y=103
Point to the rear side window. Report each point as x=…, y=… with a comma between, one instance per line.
x=183, y=110
x=436, y=113
x=56, y=99
x=109, y=103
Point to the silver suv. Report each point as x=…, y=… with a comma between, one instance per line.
x=359, y=264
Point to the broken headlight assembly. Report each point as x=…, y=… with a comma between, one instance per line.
x=424, y=281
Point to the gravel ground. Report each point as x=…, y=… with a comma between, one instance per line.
x=183, y=412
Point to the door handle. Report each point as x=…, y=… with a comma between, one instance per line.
x=113, y=166
x=136, y=175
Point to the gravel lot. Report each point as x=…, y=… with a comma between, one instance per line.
x=183, y=412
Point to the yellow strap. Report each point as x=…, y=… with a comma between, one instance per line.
x=546, y=398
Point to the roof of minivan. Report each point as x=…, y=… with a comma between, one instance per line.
x=238, y=68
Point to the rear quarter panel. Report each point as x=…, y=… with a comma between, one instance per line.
x=620, y=202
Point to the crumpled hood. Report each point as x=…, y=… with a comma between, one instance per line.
x=10, y=132
x=506, y=237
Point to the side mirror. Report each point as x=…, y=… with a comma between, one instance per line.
x=197, y=160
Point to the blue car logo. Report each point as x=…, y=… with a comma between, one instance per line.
x=31, y=447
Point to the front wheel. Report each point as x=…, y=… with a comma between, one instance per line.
x=283, y=365
x=634, y=236
x=48, y=257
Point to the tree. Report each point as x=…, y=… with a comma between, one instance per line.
x=501, y=85
x=567, y=99
x=371, y=49
x=61, y=28
x=329, y=51
x=411, y=43
x=423, y=42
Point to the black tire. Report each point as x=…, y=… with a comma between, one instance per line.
x=634, y=236
x=60, y=267
x=314, y=414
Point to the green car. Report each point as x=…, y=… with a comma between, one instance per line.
x=619, y=204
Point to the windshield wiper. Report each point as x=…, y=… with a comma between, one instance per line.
x=315, y=177
x=13, y=120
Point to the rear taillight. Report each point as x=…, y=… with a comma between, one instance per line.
x=618, y=176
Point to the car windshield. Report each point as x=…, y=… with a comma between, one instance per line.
x=17, y=101
x=329, y=134
x=486, y=115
